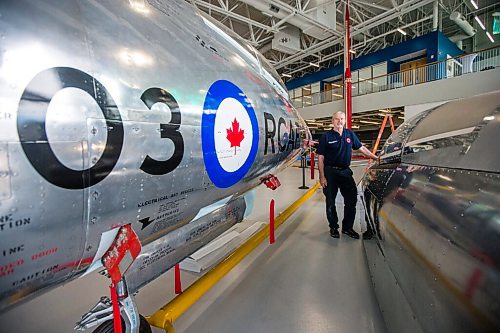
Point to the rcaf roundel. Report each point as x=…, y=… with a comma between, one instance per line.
x=229, y=134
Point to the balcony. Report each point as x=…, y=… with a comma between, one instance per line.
x=463, y=65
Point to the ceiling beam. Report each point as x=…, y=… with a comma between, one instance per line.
x=369, y=4
x=341, y=52
x=360, y=28
x=305, y=16
x=235, y=16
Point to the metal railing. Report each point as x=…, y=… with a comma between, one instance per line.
x=441, y=70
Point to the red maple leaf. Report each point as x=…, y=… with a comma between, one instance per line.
x=235, y=135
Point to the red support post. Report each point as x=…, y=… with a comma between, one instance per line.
x=312, y=165
x=271, y=222
x=178, y=286
x=117, y=319
x=347, y=69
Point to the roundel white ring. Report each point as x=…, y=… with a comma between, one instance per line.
x=229, y=134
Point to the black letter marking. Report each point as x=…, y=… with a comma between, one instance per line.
x=282, y=147
x=169, y=131
x=269, y=134
x=31, y=127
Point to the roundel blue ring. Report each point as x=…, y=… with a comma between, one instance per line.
x=219, y=91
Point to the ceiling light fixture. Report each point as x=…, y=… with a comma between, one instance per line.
x=267, y=14
x=369, y=122
x=402, y=31
x=285, y=75
x=480, y=23
x=474, y=4
x=352, y=51
x=313, y=64
x=489, y=36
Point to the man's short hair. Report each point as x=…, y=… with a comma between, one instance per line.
x=333, y=115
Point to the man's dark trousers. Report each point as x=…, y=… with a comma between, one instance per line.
x=340, y=179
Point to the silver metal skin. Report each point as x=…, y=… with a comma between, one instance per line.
x=178, y=244
x=119, y=112
x=434, y=205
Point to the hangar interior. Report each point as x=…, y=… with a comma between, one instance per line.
x=400, y=49
x=408, y=56
x=305, y=282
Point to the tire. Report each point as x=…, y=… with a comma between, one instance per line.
x=108, y=326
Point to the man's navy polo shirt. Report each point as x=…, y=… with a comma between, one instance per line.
x=337, y=148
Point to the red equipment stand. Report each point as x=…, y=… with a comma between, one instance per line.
x=382, y=127
x=392, y=124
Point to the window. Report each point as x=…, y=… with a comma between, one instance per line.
x=365, y=83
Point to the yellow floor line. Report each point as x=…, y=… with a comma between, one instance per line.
x=165, y=316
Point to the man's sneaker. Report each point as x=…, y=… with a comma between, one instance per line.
x=334, y=233
x=351, y=233
x=368, y=234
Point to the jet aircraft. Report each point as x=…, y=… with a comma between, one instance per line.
x=433, y=206
x=127, y=118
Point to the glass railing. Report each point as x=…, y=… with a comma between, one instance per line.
x=441, y=70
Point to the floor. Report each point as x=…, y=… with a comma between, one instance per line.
x=305, y=282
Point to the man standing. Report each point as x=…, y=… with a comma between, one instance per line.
x=334, y=156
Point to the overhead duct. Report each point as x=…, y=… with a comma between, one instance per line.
x=435, y=15
x=463, y=24
x=457, y=39
x=287, y=40
x=324, y=14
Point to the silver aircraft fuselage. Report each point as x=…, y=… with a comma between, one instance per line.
x=434, y=205
x=126, y=112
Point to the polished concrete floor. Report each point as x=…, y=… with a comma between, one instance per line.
x=305, y=282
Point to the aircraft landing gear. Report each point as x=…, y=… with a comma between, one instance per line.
x=107, y=326
x=117, y=259
x=102, y=314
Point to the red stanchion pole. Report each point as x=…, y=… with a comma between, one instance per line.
x=312, y=165
x=178, y=286
x=271, y=222
x=117, y=320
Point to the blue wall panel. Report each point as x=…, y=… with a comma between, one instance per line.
x=435, y=43
x=446, y=46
